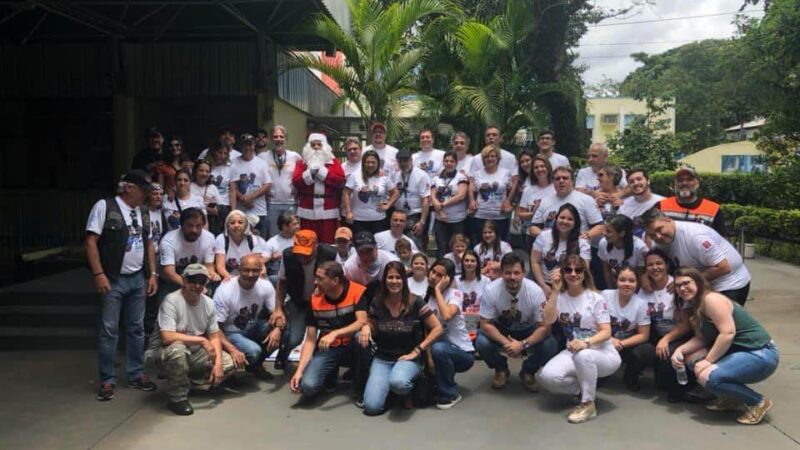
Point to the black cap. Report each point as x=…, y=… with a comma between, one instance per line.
x=138, y=177
x=365, y=239
x=403, y=153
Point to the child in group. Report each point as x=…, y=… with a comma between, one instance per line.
x=418, y=281
x=402, y=248
x=458, y=245
x=490, y=250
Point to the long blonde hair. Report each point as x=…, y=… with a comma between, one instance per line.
x=696, y=305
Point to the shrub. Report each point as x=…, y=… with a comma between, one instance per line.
x=779, y=189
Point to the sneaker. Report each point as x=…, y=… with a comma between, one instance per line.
x=582, y=413
x=723, y=404
x=753, y=415
x=261, y=374
x=529, y=381
x=449, y=404
x=106, y=392
x=500, y=379
x=359, y=403
x=143, y=383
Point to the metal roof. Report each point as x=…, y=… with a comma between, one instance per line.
x=161, y=20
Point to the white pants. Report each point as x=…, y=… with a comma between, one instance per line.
x=577, y=373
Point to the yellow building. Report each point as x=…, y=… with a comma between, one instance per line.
x=608, y=115
x=742, y=156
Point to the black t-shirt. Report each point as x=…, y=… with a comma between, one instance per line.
x=338, y=318
x=397, y=336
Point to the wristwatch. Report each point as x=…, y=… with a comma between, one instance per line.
x=525, y=344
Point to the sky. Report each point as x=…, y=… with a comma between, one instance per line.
x=612, y=61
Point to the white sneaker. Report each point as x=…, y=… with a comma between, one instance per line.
x=450, y=404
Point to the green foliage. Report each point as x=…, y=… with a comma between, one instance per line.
x=646, y=144
x=764, y=222
x=380, y=57
x=773, y=45
x=779, y=189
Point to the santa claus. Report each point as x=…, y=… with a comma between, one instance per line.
x=319, y=179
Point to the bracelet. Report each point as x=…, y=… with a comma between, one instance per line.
x=99, y=273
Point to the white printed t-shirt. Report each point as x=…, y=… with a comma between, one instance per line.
x=455, y=330
x=579, y=316
x=519, y=320
x=413, y=187
x=625, y=322
x=552, y=259
x=177, y=251
x=387, y=242
x=367, y=197
x=237, y=308
x=133, y=260
x=282, y=191
x=490, y=191
x=249, y=176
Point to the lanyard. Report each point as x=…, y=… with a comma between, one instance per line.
x=279, y=160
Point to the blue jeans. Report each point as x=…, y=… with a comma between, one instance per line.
x=263, y=227
x=385, y=375
x=449, y=360
x=275, y=210
x=739, y=368
x=538, y=354
x=324, y=365
x=249, y=341
x=127, y=296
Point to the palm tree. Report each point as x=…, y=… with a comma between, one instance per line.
x=478, y=76
x=377, y=77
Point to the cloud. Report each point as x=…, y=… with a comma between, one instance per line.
x=614, y=61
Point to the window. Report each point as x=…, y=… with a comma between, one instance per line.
x=590, y=122
x=610, y=119
x=743, y=163
x=630, y=118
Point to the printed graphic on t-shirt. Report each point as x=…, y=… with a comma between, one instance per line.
x=245, y=182
x=369, y=195
x=571, y=325
x=246, y=314
x=489, y=191
x=510, y=318
x=185, y=261
x=619, y=329
x=232, y=264
x=155, y=231
x=427, y=167
x=443, y=193
x=550, y=220
x=656, y=312
x=550, y=260
x=471, y=304
x=135, y=241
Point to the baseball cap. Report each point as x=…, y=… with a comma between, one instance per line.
x=686, y=170
x=364, y=240
x=377, y=125
x=343, y=233
x=138, y=177
x=304, y=242
x=195, y=269
x=403, y=153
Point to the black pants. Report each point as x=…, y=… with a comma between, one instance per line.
x=295, y=330
x=596, y=267
x=644, y=355
x=443, y=231
x=420, y=240
x=738, y=295
x=373, y=227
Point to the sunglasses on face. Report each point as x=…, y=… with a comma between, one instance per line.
x=575, y=270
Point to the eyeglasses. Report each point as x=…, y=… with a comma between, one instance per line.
x=575, y=270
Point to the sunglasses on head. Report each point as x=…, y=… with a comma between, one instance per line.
x=575, y=270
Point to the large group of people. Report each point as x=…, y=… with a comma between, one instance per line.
x=215, y=263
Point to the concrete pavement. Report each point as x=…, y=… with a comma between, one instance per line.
x=48, y=402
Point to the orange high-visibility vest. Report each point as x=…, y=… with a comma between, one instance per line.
x=704, y=213
x=332, y=316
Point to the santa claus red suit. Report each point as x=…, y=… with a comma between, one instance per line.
x=318, y=179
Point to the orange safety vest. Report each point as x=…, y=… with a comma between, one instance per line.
x=704, y=213
x=332, y=316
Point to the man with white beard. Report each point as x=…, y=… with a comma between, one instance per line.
x=687, y=205
x=319, y=179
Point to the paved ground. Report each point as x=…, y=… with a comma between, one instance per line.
x=48, y=402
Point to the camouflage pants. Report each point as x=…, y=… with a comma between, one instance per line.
x=185, y=368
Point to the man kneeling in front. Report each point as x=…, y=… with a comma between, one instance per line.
x=187, y=345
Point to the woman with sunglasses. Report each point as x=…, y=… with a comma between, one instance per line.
x=453, y=353
x=619, y=247
x=630, y=324
x=471, y=284
x=181, y=199
x=172, y=162
x=729, y=350
x=584, y=318
x=397, y=319
x=669, y=324
x=552, y=246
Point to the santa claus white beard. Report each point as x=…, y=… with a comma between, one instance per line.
x=316, y=159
